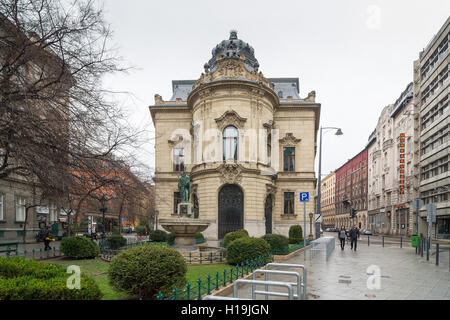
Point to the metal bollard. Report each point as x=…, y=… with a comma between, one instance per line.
x=437, y=254
x=401, y=242
x=383, y=240
x=422, y=244
x=428, y=250
x=368, y=240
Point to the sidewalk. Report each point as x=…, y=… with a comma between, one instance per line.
x=404, y=275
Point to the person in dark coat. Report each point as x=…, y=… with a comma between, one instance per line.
x=354, y=234
x=48, y=236
x=341, y=235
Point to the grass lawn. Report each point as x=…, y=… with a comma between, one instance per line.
x=201, y=271
x=98, y=269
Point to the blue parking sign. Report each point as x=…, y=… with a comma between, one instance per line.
x=304, y=196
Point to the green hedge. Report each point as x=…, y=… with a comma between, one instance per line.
x=79, y=248
x=246, y=248
x=115, y=241
x=279, y=244
x=171, y=238
x=231, y=236
x=158, y=236
x=23, y=279
x=295, y=234
x=144, y=271
x=141, y=230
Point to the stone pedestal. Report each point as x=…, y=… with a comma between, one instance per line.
x=185, y=209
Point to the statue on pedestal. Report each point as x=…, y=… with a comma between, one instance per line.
x=184, y=187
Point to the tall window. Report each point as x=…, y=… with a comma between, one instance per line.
x=178, y=159
x=230, y=143
x=176, y=201
x=288, y=203
x=269, y=149
x=289, y=158
x=1, y=207
x=20, y=209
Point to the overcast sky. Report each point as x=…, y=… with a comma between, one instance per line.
x=357, y=55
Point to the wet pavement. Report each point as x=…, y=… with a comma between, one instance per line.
x=371, y=273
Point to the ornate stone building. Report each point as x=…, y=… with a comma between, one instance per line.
x=328, y=202
x=246, y=141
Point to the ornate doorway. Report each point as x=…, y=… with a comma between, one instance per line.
x=231, y=209
x=268, y=214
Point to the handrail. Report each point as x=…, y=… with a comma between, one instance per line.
x=291, y=265
x=299, y=294
x=290, y=294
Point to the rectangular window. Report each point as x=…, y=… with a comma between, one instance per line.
x=20, y=209
x=176, y=201
x=1, y=207
x=178, y=159
x=288, y=203
x=289, y=159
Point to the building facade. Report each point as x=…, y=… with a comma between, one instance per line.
x=327, y=205
x=246, y=141
x=432, y=95
x=351, y=192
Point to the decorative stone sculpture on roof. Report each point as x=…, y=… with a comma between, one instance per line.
x=233, y=48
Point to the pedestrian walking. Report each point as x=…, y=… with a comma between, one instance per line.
x=48, y=236
x=354, y=234
x=341, y=235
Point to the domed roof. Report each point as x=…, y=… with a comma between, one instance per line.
x=232, y=49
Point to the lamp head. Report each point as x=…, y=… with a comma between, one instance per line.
x=339, y=132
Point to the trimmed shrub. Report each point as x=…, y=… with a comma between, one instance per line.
x=79, y=248
x=246, y=248
x=199, y=236
x=278, y=243
x=23, y=279
x=295, y=234
x=146, y=270
x=171, y=238
x=141, y=230
x=158, y=236
x=231, y=236
x=115, y=241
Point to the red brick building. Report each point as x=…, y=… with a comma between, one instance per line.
x=351, y=187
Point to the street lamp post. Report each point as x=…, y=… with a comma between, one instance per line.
x=338, y=133
x=310, y=223
x=156, y=219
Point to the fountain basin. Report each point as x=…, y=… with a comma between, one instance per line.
x=184, y=229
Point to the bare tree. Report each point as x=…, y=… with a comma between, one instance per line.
x=54, y=112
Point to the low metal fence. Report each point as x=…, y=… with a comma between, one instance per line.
x=35, y=254
x=324, y=245
x=201, y=287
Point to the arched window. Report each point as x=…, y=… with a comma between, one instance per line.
x=230, y=143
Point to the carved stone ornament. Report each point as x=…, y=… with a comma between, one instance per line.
x=289, y=140
x=194, y=188
x=158, y=99
x=230, y=173
x=230, y=117
x=175, y=140
x=232, y=69
x=271, y=189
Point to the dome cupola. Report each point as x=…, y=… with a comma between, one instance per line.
x=232, y=49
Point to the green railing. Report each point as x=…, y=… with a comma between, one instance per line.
x=201, y=287
x=36, y=254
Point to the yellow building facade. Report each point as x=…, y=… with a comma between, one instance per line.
x=247, y=143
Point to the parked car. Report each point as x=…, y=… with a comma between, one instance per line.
x=366, y=232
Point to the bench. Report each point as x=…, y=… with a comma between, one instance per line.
x=9, y=247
